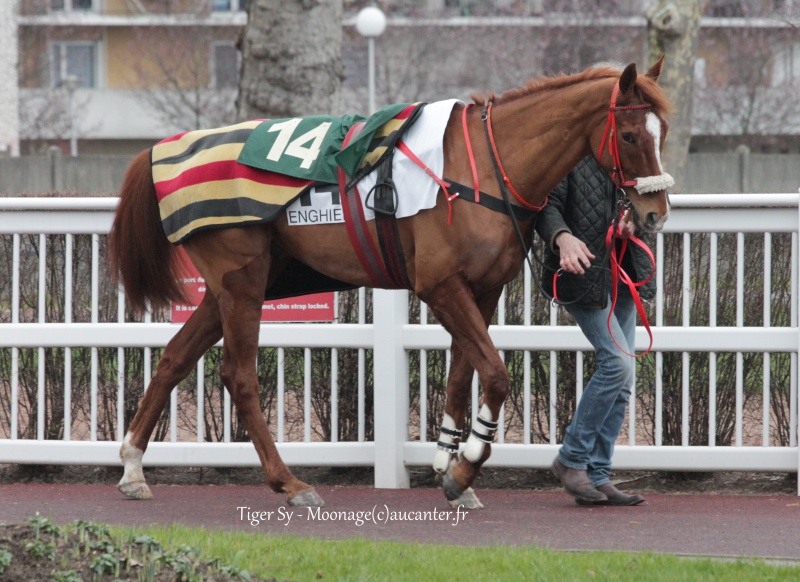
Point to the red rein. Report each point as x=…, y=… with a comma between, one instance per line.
x=507, y=181
x=618, y=274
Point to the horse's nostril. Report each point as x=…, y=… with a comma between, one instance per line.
x=651, y=220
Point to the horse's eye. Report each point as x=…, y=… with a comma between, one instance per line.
x=629, y=137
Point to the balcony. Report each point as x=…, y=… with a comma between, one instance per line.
x=93, y=13
x=107, y=114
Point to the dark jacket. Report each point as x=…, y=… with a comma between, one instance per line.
x=584, y=204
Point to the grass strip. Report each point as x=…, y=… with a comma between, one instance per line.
x=285, y=557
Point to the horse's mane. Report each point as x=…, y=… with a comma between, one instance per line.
x=647, y=89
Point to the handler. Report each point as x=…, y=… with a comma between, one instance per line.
x=574, y=225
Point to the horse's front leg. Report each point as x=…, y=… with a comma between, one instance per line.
x=451, y=432
x=467, y=320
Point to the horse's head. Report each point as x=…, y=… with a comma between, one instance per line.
x=632, y=142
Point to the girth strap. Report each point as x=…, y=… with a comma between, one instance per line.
x=357, y=225
x=384, y=203
x=387, y=269
x=385, y=208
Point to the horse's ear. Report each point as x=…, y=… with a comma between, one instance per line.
x=628, y=79
x=655, y=71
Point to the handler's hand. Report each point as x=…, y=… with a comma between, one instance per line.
x=575, y=255
x=626, y=227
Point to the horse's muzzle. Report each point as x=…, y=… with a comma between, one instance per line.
x=651, y=223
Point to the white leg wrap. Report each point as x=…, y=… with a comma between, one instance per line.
x=446, y=448
x=132, y=461
x=482, y=433
x=441, y=461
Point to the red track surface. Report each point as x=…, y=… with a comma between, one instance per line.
x=718, y=525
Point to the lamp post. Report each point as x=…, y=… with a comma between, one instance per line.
x=71, y=83
x=370, y=23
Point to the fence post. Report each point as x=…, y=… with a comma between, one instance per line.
x=744, y=168
x=390, y=359
x=56, y=169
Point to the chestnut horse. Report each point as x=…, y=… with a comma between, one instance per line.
x=541, y=131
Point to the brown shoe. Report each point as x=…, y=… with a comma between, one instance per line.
x=576, y=482
x=615, y=497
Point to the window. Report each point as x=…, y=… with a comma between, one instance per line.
x=725, y=8
x=786, y=66
x=225, y=65
x=70, y=5
x=75, y=59
x=700, y=79
x=228, y=5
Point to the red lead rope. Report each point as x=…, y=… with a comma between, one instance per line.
x=618, y=274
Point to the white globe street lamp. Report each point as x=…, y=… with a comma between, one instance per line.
x=370, y=23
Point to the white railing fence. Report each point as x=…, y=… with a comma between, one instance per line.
x=718, y=394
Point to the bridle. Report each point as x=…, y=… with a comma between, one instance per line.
x=642, y=185
x=609, y=134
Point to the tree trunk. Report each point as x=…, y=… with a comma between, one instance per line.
x=9, y=96
x=291, y=59
x=673, y=27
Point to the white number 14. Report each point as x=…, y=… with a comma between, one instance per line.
x=297, y=148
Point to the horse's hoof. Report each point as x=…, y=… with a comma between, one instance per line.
x=452, y=490
x=467, y=500
x=136, y=490
x=306, y=498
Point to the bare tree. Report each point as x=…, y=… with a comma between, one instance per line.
x=291, y=58
x=45, y=116
x=748, y=97
x=181, y=87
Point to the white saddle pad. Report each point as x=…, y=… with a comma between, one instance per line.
x=415, y=189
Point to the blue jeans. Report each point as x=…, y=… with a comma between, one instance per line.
x=589, y=441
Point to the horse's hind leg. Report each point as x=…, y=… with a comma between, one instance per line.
x=201, y=332
x=467, y=320
x=240, y=299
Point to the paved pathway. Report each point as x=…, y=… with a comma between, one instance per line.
x=716, y=525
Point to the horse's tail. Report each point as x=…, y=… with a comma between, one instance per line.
x=140, y=255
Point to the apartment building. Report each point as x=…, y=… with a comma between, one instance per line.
x=114, y=76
